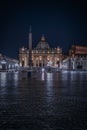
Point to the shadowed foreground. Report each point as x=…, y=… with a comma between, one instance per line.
x=46, y=101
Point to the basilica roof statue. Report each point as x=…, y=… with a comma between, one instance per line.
x=42, y=45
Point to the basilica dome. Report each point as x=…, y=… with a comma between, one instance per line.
x=42, y=45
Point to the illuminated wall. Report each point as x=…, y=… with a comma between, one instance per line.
x=42, y=55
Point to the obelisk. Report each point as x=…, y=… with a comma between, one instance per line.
x=30, y=48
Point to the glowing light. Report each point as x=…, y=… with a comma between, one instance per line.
x=3, y=62
x=43, y=70
x=49, y=63
x=22, y=48
x=48, y=58
x=58, y=59
x=40, y=57
x=43, y=76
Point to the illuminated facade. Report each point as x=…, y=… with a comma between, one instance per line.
x=41, y=56
x=77, y=58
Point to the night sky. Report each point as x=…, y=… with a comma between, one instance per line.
x=62, y=23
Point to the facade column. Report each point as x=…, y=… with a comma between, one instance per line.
x=38, y=63
x=35, y=62
x=41, y=63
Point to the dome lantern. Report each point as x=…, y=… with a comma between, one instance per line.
x=42, y=38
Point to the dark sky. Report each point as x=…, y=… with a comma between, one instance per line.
x=62, y=23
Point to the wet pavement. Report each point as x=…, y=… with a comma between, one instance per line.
x=44, y=101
